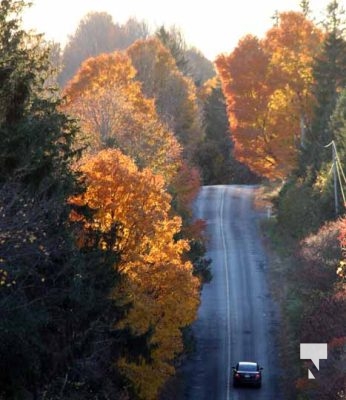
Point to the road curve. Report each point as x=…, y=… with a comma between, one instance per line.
x=237, y=318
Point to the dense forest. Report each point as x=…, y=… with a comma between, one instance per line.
x=101, y=261
x=104, y=146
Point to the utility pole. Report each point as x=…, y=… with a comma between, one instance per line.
x=335, y=176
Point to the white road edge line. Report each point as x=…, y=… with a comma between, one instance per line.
x=228, y=324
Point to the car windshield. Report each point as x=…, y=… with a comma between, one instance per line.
x=247, y=367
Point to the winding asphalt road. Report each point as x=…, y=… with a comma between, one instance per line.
x=237, y=319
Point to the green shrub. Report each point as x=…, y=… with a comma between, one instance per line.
x=299, y=210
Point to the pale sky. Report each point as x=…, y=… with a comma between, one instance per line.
x=213, y=26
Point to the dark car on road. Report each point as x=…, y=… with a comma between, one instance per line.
x=247, y=373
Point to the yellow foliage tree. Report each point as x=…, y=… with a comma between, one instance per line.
x=114, y=113
x=293, y=45
x=163, y=292
x=176, y=102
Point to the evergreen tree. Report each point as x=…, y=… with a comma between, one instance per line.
x=330, y=77
x=214, y=155
x=36, y=139
x=338, y=127
x=55, y=296
x=173, y=40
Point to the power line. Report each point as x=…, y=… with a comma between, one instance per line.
x=338, y=175
x=339, y=178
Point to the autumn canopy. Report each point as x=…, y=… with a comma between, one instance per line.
x=268, y=86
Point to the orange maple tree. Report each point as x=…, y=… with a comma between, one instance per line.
x=267, y=84
x=163, y=292
x=244, y=76
x=114, y=113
